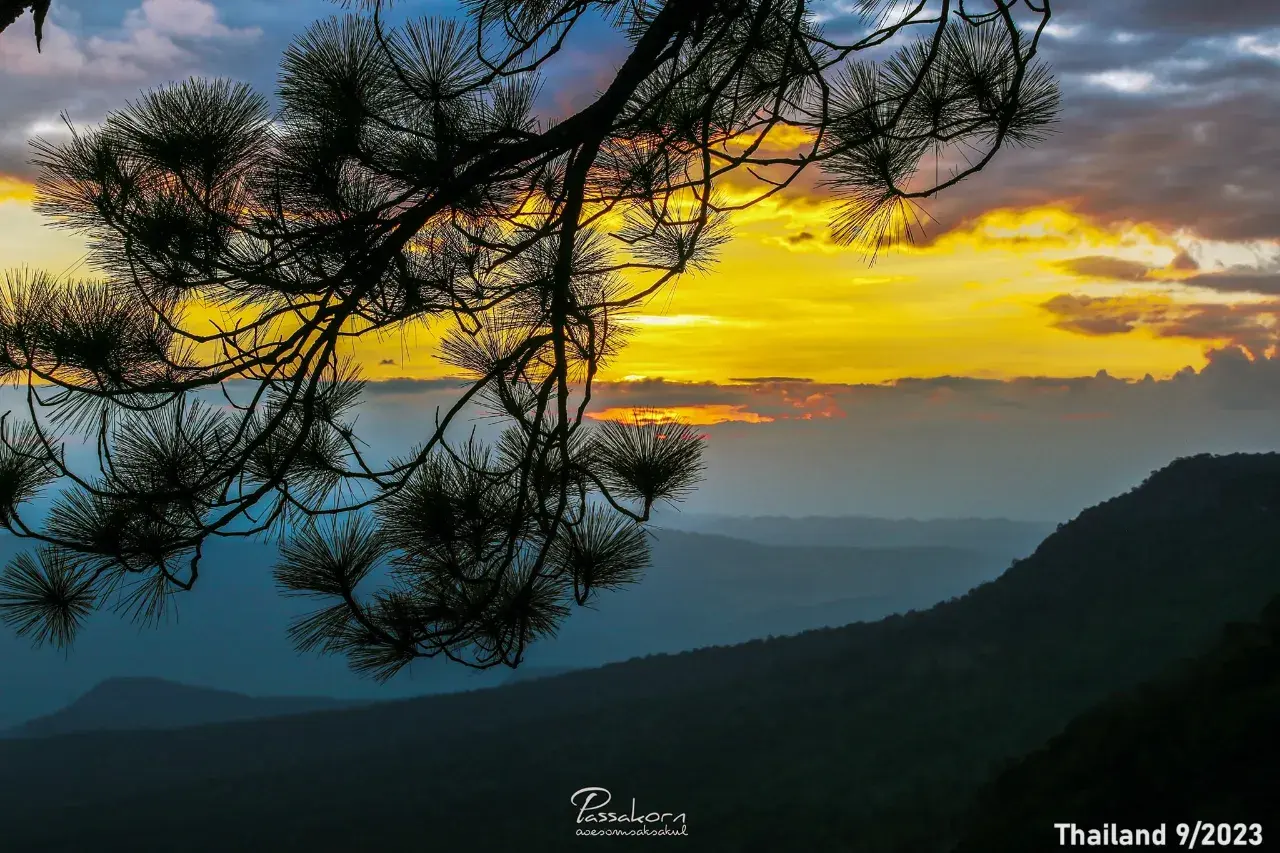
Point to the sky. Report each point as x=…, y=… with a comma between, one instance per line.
x=1075, y=316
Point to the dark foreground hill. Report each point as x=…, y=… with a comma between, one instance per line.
x=154, y=703
x=871, y=737
x=1202, y=744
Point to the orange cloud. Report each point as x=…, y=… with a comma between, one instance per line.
x=758, y=400
x=779, y=139
x=15, y=189
x=696, y=415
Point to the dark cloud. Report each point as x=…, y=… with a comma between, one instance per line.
x=922, y=447
x=1244, y=326
x=411, y=386
x=1183, y=17
x=1233, y=378
x=1171, y=115
x=1099, y=315
x=1238, y=381
x=663, y=393
x=1178, y=125
x=1105, y=267
x=1237, y=279
x=1141, y=17
x=925, y=447
x=1197, y=148
x=766, y=380
x=778, y=399
x=933, y=383
x=1229, y=281
x=1249, y=326
x=1211, y=168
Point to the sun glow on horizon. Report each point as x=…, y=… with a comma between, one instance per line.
x=707, y=414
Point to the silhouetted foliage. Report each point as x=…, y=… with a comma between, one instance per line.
x=406, y=180
x=872, y=737
x=12, y=10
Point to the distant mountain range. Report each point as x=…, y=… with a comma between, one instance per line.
x=707, y=590
x=154, y=703
x=700, y=590
x=139, y=704
x=875, y=736
x=1002, y=538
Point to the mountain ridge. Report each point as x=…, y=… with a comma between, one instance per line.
x=700, y=589
x=1002, y=537
x=126, y=703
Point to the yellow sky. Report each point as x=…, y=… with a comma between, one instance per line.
x=970, y=304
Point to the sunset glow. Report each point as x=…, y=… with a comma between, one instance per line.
x=1018, y=273
x=696, y=415
x=783, y=300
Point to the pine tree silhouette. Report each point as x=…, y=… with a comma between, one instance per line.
x=407, y=178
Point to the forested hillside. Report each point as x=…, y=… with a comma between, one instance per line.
x=1200, y=744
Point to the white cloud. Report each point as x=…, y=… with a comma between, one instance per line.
x=1062, y=31
x=190, y=18
x=1260, y=256
x=1124, y=80
x=1131, y=81
x=154, y=36
x=1256, y=45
